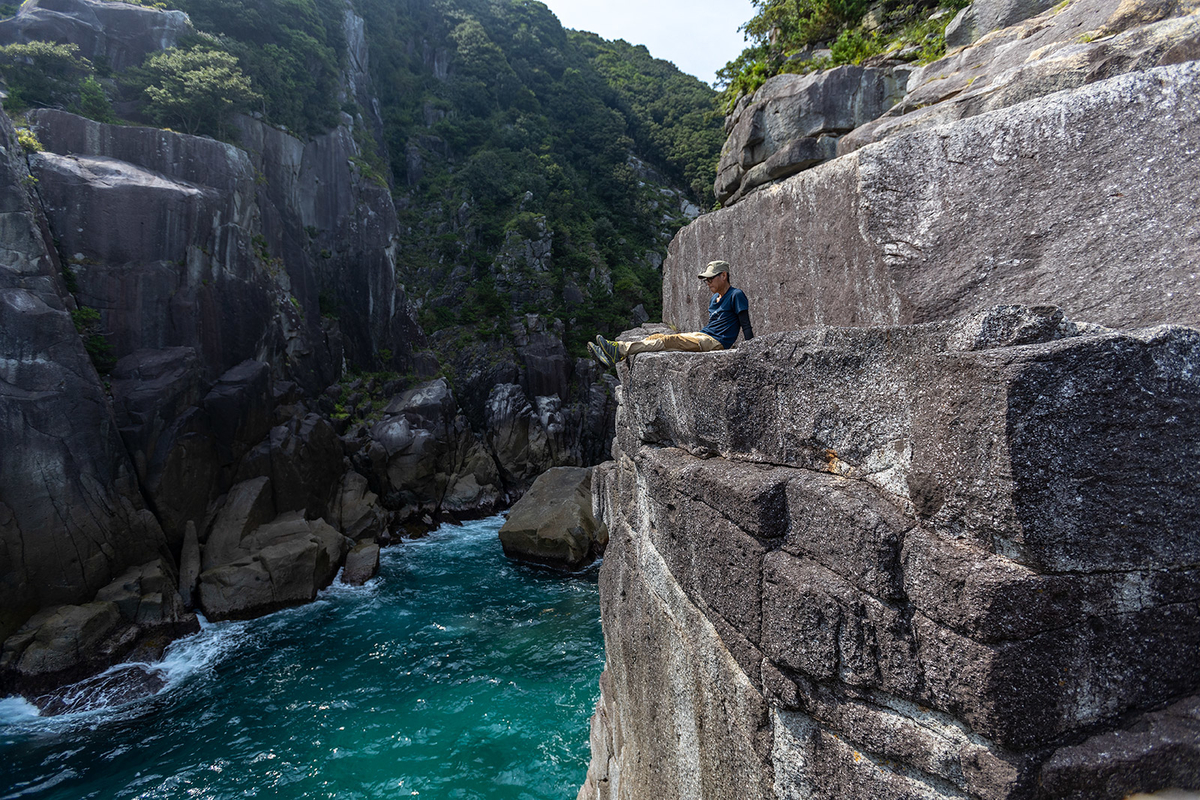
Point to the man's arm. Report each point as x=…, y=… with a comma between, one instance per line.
x=744, y=321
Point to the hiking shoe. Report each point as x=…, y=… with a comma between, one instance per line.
x=598, y=354
x=608, y=348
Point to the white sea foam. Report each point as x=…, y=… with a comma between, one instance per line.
x=15, y=710
x=181, y=661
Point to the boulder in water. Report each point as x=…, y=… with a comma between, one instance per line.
x=281, y=564
x=553, y=523
x=362, y=564
x=117, y=686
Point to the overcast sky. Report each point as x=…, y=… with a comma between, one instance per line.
x=699, y=36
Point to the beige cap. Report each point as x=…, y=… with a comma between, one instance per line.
x=714, y=269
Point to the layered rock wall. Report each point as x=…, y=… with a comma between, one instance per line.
x=1084, y=199
x=898, y=546
x=72, y=517
x=931, y=561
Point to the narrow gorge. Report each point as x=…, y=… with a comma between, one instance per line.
x=932, y=533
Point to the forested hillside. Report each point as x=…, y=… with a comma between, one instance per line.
x=535, y=170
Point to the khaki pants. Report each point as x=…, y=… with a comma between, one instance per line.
x=655, y=343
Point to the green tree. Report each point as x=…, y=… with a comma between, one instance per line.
x=93, y=101
x=196, y=90
x=42, y=74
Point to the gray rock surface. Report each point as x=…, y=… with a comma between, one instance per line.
x=517, y=435
x=1160, y=749
x=552, y=524
x=1067, y=47
x=793, y=122
x=931, y=561
x=1051, y=201
x=132, y=617
x=984, y=16
x=280, y=564
x=71, y=513
x=423, y=457
x=362, y=564
x=356, y=511
x=213, y=268
x=113, y=34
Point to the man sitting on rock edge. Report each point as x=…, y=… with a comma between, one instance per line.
x=728, y=312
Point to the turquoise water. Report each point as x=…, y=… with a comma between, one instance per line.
x=453, y=674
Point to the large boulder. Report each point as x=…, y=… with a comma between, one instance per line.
x=356, y=511
x=280, y=564
x=113, y=34
x=362, y=564
x=552, y=524
x=794, y=121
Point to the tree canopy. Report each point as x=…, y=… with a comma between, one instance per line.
x=196, y=89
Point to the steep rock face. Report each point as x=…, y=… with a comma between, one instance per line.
x=157, y=227
x=233, y=284
x=1055, y=200
x=919, y=561
x=71, y=514
x=335, y=229
x=1066, y=47
x=118, y=35
x=794, y=122
x=184, y=241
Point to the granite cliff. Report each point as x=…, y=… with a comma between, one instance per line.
x=214, y=388
x=932, y=533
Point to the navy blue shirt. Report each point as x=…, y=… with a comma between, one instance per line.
x=723, y=316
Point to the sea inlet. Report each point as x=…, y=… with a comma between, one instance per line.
x=452, y=674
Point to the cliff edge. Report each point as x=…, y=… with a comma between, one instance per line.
x=932, y=533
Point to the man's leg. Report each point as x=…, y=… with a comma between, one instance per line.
x=656, y=343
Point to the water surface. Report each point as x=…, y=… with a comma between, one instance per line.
x=454, y=674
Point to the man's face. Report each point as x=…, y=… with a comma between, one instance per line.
x=718, y=283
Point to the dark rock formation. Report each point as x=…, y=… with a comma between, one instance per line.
x=356, y=511
x=362, y=564
x=282, y=563
x=116, y=35
x=423, y=458
x=113, y=687
x=928, y=561
x=553, y=523
x=233, y=284
x=794, y=122
x=1052, y=201
x=71, y=514
x=134, y=617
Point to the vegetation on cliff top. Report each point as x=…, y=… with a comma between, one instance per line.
x=799, y=36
